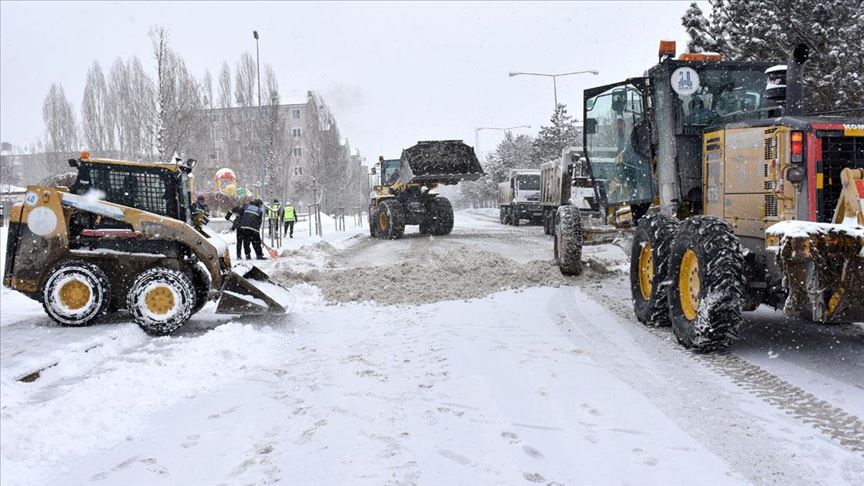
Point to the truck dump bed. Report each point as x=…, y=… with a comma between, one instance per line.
x=442, y=162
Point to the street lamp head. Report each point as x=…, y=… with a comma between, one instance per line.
x=511, y=74
x=595, y=73
x=255, y=34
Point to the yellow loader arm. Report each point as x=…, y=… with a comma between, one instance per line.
x=850, y=205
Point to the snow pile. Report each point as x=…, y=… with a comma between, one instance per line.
x=803, y=229
x=456, y=274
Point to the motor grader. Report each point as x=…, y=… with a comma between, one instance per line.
x=740, y=198
x=122, y=236
x=403, y=189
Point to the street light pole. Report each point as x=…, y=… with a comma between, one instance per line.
x=477, y=132
x=262, y=170
x=257, y=64
x=554, y=79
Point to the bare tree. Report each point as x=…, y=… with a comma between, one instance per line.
x=225, y=98
x=271, y=85
x=245, y=75
x=96, y=113
x=60, y=124
x=207, y=90
x=178, y=100
x=131, y=94
x=325, y=154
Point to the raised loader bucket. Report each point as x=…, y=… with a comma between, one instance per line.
x=248, y=290
x=442, y=161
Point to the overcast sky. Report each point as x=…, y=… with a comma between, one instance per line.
x=392, y=73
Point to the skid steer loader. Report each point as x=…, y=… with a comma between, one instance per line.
x=740, y=198
x=122, y=237
x=403, y=189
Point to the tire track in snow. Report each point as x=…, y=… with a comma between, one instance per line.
x=843, y=427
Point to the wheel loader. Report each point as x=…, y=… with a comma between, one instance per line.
x=122, y=236
x=403, y=189
x=740, y=198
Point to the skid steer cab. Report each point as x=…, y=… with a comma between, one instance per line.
x=740, y=197
x=122, y=237
x=403, y=189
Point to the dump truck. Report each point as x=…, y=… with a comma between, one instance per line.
x=519, y=197
x=403, y=191
x=122, y=236
x=565, y=181
x=740, y=198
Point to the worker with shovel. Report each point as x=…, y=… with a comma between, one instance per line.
x=250, y=229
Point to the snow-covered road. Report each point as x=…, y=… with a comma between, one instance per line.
x=552, y=382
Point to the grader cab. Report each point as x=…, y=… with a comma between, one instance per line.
x=122, y=237
x=736, y=194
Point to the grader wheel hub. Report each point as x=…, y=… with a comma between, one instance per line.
x=646, y=271
x=74, y=294
x=159, y=300
x=689, y=284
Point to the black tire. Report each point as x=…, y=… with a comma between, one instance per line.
x=514, y=216
x=568, y=240
x=389, y=218
x=161, y=300
x=76, y=293
x=547, y=221
x=653, y=235
x=502, y=215
x=443, y=217
x=202, y=282
x=711, y=320
x=372, y=222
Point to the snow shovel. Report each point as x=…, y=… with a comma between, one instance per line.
x=273, y=253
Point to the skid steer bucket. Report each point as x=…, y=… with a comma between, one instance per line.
x=442, y=161
x=248, y=290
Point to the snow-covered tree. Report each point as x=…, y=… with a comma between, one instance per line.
x=552, y=139
x=513, y=152
x=761, y=30
x=207, y=90
x=97, y=120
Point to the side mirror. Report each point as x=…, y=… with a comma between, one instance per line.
x=73, y=162
x=590, y=126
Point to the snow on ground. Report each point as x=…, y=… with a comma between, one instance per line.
x=551, y=382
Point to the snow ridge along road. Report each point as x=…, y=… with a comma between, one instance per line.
x=550, y=382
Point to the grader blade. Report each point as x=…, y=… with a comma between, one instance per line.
x=248, y=290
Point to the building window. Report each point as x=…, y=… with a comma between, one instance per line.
x=297, y=152
x=298, y=171
x=295, y=114
x=296, y=132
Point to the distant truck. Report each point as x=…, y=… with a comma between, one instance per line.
x=566, y=181
x=519, y=197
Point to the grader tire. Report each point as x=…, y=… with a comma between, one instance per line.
x=76, y=293
x=568, y=240
x=649, y=267
x=706, y=271
x=161, y=300
x=443, y=214
x=390, y=220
